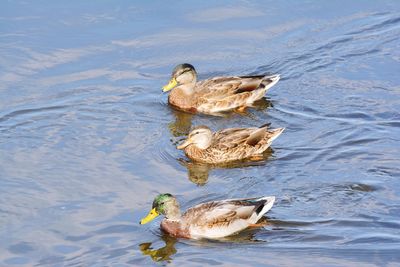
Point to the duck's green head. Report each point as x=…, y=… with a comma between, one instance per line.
x=165, y=204
x=182, y=74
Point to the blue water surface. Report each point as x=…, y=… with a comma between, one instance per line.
x=87, y=138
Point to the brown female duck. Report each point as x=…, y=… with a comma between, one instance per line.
x=228, y=145
x=215, y=95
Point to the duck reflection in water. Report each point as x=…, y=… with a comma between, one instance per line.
x=182, y=124
x=183, y=120
x=166, y=252
x=161, y=254
x=198, y=172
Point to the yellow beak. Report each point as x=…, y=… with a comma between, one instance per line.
x=151, y=216
x=184, y=144
x=172, y=83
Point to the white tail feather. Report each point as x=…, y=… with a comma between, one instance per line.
x=269, y=202
x=277, y=133
x=274, y=79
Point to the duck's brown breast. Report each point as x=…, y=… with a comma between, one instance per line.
x=197, y=154
x=182, y=101
x=174, y=228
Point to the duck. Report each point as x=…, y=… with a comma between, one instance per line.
x=215, y=95
x=210, y=220
x=228, y=145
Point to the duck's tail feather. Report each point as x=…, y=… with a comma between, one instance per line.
x=275, y=133
x=265, y=207
x=265, y=125
x=271, y=80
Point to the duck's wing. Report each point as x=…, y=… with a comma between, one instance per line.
x=235, y=137
x=231, y=137
x=226, y=93
x=221, y=87
x=222, y=218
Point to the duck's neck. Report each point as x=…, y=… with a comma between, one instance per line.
x=182, y=97
x=204, y=142
x=173, y=211
x=174, y=216
x=188, y=88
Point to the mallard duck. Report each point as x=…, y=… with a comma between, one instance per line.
x=215, y=95
x=228, y=145
x=215, y=219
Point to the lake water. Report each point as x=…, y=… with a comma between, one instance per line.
x=87, y=138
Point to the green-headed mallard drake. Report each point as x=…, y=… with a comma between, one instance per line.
x=215, y=95
x=228, y=145
x=215, y=219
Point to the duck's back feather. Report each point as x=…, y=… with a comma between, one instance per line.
x=225, y=93
x=217, y=219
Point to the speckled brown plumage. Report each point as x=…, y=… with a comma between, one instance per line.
x=217, y=94
x=233, y=144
